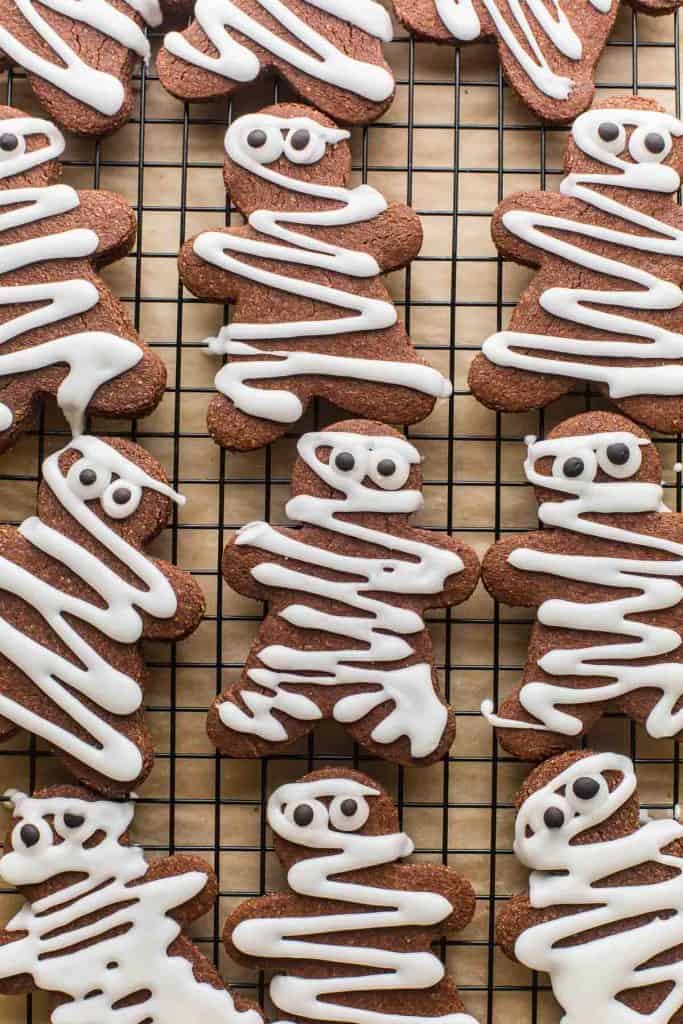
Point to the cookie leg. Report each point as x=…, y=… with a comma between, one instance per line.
x=658, y=413
x=509, y=390
x=236, y=431
x=247, y=744
x=534, y=744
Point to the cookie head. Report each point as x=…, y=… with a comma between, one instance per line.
x=29, y=149
x=268, y=150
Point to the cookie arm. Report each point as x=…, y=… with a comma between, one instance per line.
x=509, y=585
x=111, y=218
x=508, y=243
x=183, y=864
x=190, y=609
x=240, y=559
x=438, y=878
x=274, y=905
x=205, y=280
x=396, y=237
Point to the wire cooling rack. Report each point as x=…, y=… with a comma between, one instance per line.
x=454, y=143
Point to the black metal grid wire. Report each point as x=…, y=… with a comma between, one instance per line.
x=197, y=801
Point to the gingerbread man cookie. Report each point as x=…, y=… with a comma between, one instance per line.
x=312, y=315
x=344, y=637
x=548, y=52
x=606, y=304
x=101, y=929
x=62, y=331
x=602, y=915
x=80, y=55
x=328, y=51
x=605, y=576
x=352, y=939
x=78, y=594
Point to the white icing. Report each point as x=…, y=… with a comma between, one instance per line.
x=93, y=357
x=585, y=306
x=462, y=21
x=110, y=968
x=587, y=976
x=348, y=206
x=86, y=673
x=68, y=72
x=379, y=628
x=321, y=878
x=317, y=56
x=656, y=582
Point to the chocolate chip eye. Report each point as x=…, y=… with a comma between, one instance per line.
x=608, y=131
x=8, y=142
x=386, y=467
x=619, y=454
x=300, y=139
x=573, y=467
x=73, y=820
x=586, y=788
x=29, y=835
x=303, y=815
x=349, y=807
x=87, y=477
x=345, y=461
x=257, y=138
x=654, y=142
x=553, y=818
x=121, y=495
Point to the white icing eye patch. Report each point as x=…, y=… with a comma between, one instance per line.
x=649, y=145
x=121, y=498
x=348, y=813
x=584, y=792
x=88, y=480
x=610, y=135
x=72, y=824
x=12, y=143
x=264, y=143
x=620, y=460
x=349, y=462
x=580, y=465
x=307, y=814
x=387, y=469
x=303, y=145
x=32, y=837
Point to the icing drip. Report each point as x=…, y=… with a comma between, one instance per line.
x=97, y=89
x=657, y=583
x=93, y=357
x=585, y=305
x=110, y=968
x=318, y=56
x=319, y=877
x=587, y=976
x=462, y=21
x=86, y=673
x=379, y=628
x=356, y=206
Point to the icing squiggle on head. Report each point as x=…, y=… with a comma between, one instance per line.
x=657, y=582
x=649, y=144
x=370, y=473
x=254, y=142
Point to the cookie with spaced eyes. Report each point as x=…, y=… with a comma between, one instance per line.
x=311, y=315
x=101, y=929
x=606, y=305
x=602, y=913
x=351, y=939
x=78, y=595
x=606, y=577
x=344, y=637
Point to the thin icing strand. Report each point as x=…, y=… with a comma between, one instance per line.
x=587, y=976
x=356, y=206
x=317, y=55
x=110, y=968
x=576, y=357
x=97, y=89
x=321, y=878
x=655, y=581
x=86, y=681
x=380, y=627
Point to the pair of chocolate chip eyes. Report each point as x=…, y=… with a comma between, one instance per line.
x=654, y=142
x=298, y=140
x=30, y=834
x=618, y=455
x=346, y=462
x=303, y=814
x=584, y=788
x=121, y=495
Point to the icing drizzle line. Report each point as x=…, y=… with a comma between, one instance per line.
x=86, y=673
x=318, y=57
x=319, y=877
x=656, y=582
x=356, y=206
x=380, y=627
x=97, y=89
x=585, y=306
x=110, y=968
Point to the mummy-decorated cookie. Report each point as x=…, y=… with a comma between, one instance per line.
x=328, y=51
x=351, y=940
x=345, y=637
x=101, y=929
x=606, y=306
x=606, y=576
x=311, y=315
x=62, y=331
x=548, y=51
x=603, y=915
x=77, y=595
x=80, y=55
